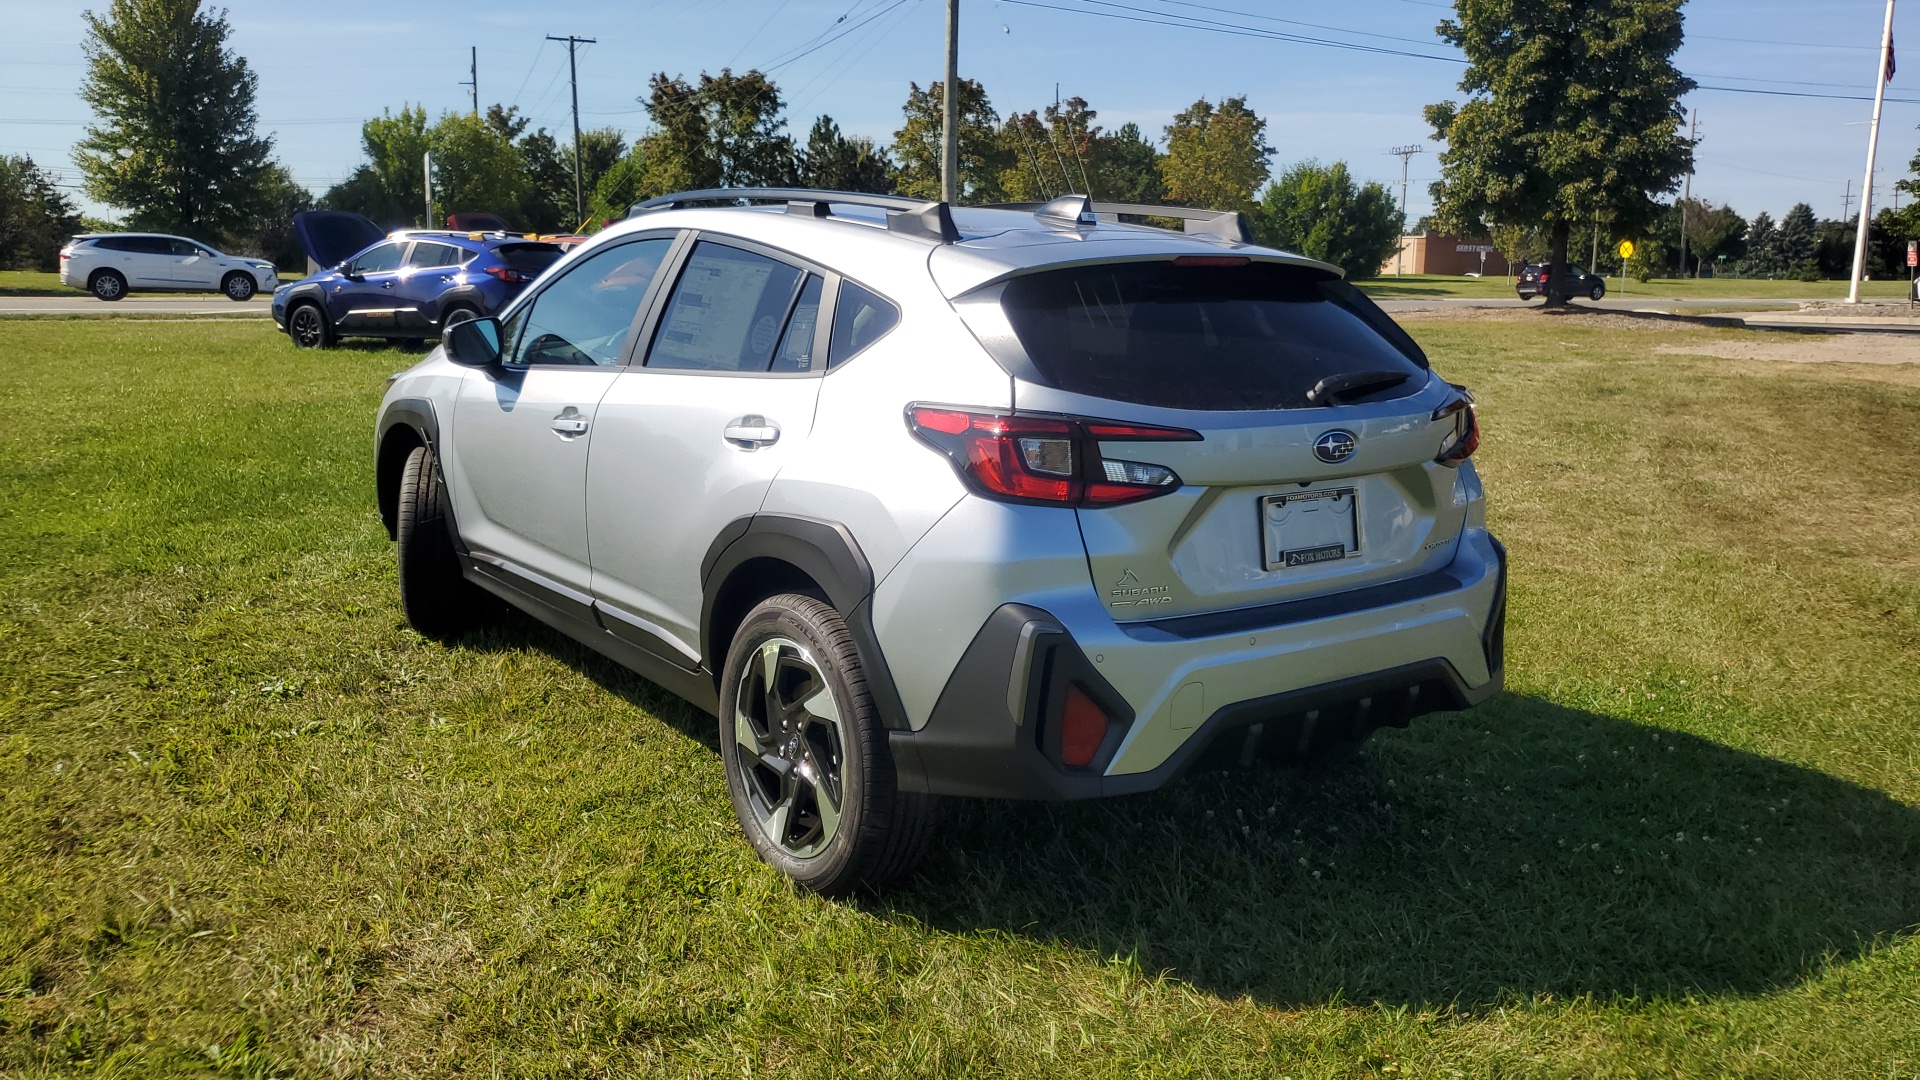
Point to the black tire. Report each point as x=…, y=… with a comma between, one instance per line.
x=239, y=286
x=1599, y=290
x=879, y=831
x=438, y=600
x=107, y=285
x=457, y=314
x=308, y=327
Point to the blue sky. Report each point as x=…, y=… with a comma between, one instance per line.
x=321, y=73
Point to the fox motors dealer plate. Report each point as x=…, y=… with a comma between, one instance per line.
x=1303, y=528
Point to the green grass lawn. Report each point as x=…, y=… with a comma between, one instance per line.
x=1415, y=286
x=33, y=283
x=252, y=826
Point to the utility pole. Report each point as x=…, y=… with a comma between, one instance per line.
x=950, y=111
x=1873, y=144
x=1846, y=202
x=573, y=76
x=1686, y=197
x=426, y=184
x=1405, y=153
x=473, y=77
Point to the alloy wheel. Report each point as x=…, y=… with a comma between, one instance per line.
x=308, y=332
x=791, y=747
x=240, y=288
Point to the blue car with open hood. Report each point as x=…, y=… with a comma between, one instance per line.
x=408, y=285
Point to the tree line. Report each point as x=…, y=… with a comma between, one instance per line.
x=1569, y=140
x=728, y=130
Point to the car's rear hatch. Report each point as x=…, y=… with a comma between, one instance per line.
x=1315, y=469
x=331, y=237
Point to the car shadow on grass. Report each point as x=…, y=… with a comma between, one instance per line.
x=1516, y=851
x=1520, y=850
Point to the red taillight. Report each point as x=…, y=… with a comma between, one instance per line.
x=1046, y=459
x=1464, y=439
x=1083, y=727
x=510, y=275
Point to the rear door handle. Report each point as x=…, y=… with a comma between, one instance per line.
x=751, y=432
x=570, y=424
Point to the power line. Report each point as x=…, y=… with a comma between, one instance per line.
x=573, y=76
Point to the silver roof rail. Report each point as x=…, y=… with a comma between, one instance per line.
x=1076, y=210
x=922, y=219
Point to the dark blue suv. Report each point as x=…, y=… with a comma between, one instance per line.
x=407, y=285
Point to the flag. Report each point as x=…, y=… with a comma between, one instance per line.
x=1889, y=56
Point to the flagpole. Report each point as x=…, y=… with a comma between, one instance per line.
x=1873, y=144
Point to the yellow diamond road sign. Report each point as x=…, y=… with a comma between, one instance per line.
x=1626, y=249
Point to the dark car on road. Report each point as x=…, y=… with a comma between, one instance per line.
x=1534, y=276
x=407, y=285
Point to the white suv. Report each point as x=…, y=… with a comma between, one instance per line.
x=920, y=501
x=109, y=265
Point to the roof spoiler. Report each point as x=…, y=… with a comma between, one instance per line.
x=922, y=219
x=1072, y=211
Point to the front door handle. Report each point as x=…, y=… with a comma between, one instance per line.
x=570, y=424
x=751, y=432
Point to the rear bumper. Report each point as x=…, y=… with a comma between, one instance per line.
x=1334, y=671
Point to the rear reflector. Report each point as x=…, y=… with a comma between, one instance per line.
x=1464, y=438
x=1045, y=459
x=1083, y=727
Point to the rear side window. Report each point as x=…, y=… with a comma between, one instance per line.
x=1253, y=336
x=862, y=319
x=426, y=254
x=728, y=313
x=114, y=243
x=531, y=258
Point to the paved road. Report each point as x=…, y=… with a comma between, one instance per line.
x=136, y=305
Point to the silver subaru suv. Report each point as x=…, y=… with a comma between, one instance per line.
x=1024, y=502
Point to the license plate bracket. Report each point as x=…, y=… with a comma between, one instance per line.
x=1306, y=528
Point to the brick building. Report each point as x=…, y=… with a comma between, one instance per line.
x=1441, y=253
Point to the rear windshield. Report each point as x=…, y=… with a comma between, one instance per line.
x=532, y=258
x=1255, y=336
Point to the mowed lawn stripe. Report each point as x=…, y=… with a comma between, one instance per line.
x=250, y=825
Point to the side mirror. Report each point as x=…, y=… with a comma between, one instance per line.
x=351, y=274
x=474, y=343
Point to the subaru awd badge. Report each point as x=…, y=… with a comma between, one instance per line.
x=1334, y=447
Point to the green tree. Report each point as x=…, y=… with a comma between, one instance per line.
x=600, y=150
x=173, y=140
x=474, y=168
x=1798, y=242
x=1216, y=157
x=723, y=132
x=390, y=186
x=916, y=146
x=834, y=162
x=270, y=235
x=617, y=191
x=35, y=217
x=1128, y=167
x=1574, y=113
x=1320, y=212
x=1709, y=230
x=1052, y=152
x=1763, y=248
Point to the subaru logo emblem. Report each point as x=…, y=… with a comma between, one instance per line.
x=1334, y=447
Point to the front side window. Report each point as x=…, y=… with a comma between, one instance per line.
x=729, y=312
x=376, y=260
x=584, y=318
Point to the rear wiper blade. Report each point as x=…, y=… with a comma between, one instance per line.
x=1330, y=390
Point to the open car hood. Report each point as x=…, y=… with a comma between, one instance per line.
x=331, y=237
